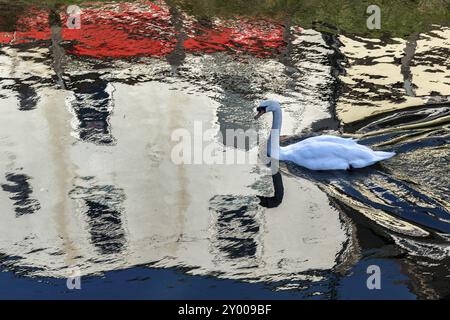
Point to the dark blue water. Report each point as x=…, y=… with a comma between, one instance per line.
x=146, y=283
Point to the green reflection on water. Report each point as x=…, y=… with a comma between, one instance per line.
x=399, y=18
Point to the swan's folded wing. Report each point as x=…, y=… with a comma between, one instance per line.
x=333, y=139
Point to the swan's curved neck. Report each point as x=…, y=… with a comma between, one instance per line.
x=273, y=145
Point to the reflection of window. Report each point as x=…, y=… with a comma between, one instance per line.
x=20, y=192
x=26, y=94
x=103, y=205
x=236, y=228
x=92, y=105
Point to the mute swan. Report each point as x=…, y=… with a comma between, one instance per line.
x=321, y=152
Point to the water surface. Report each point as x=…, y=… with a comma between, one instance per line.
x=88, y=181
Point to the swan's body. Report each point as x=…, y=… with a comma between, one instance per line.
x=331, y=153
x=321, y=152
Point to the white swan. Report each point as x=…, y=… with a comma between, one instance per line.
x=318, y=153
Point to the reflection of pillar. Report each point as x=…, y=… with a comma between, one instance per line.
x=286, y=53
x=56, y=49
x=335, y=59
x=177, y=56
x=235, y=111
x=405, y=68
x=92, y=104
x=104, y=206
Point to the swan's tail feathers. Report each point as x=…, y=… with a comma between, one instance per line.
x=383, y=155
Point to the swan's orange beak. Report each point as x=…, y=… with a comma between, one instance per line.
x=259, y=114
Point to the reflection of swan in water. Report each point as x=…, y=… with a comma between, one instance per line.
x=275, y=201
x=318, y=153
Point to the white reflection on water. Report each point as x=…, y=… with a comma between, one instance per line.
x=114, y=206
x=87, y=178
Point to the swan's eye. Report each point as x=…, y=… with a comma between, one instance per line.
x=261, y=109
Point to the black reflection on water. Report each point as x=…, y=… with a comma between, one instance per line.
x=104, y=207
x=20, y=192
x=26, y=93
x=374, y=188
x=92, y=106
x=426, y=127
x=236, y=228
x=28, y=97
x=413, y=115
x=277, y=198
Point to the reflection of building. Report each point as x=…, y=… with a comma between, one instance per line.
x=114, y=202
x=109, y=206
x=389, y=75
x=109, y=203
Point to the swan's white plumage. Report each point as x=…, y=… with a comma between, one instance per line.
x=321, y=152
x=331, y=153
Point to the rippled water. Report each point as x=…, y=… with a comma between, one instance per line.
x=88, y=182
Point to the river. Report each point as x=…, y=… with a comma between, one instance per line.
x=88, y=182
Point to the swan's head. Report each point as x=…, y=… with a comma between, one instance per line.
x=267, y=106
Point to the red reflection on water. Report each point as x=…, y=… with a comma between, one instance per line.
x=146, y=29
